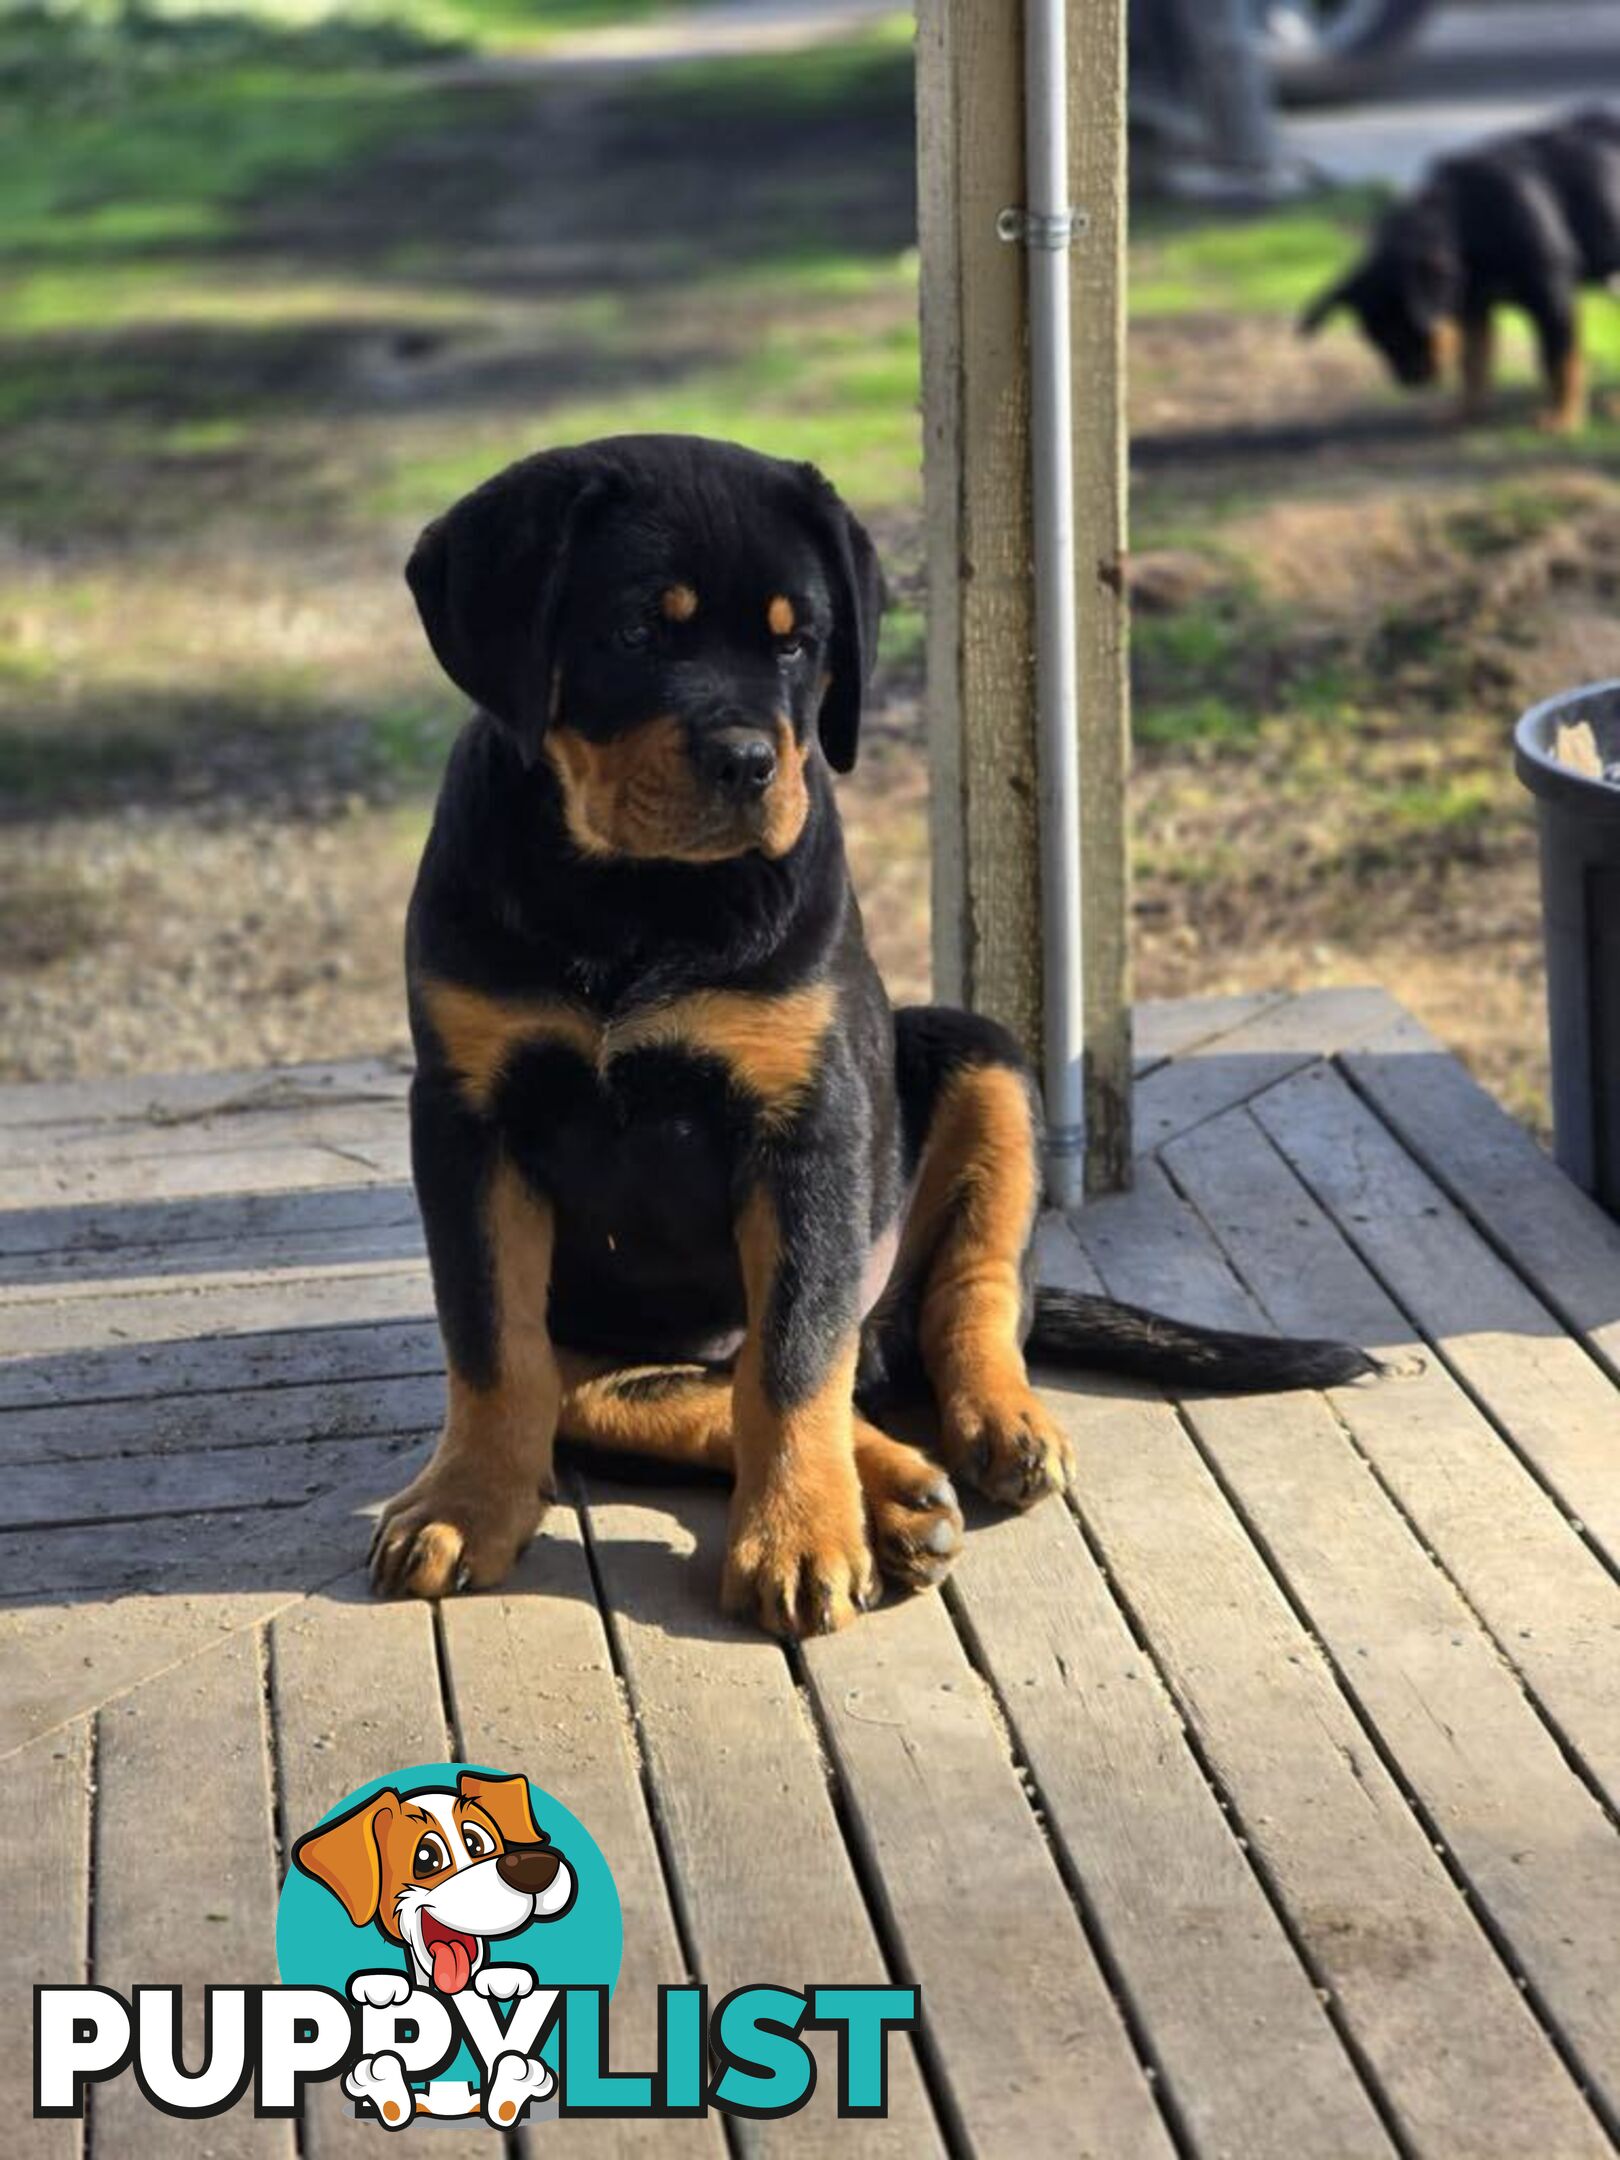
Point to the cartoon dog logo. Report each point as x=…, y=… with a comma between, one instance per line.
x=443, y=1873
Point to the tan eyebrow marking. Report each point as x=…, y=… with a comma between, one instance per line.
x=779, y=615
x=678, y=603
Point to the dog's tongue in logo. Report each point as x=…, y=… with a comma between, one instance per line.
x=452, y=1954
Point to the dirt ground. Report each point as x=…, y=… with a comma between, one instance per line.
x=1374, y=595
x=221, y=727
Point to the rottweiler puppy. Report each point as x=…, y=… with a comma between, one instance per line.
x=690, y=1187
x=1522, y=221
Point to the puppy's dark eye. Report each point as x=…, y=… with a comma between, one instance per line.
x=475, y=1841
x=431, y=1856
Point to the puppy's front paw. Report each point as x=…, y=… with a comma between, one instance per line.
x=1005, y=1443
x=800, y=1563
x=911, y=1508
x=459, y=1526
x=518, y=2079
x=506, y=1983
x=381, y=2080
x=379, y=1990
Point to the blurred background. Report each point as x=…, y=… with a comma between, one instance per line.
x=278, y=280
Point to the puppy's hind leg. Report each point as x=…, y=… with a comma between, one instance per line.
x=971, y=1112
x=1478, y=364
x=682, y=1414
x=1558, y=338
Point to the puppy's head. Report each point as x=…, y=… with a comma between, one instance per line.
x=1403, y=292
x=677, y=627
x=441, y=1872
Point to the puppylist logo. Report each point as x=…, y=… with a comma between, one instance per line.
x=448, y=1940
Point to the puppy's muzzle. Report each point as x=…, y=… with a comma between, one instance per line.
x=529, y=1868
x=739, y=763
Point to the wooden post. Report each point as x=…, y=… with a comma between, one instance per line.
x=1097, y=177
x=981, y=686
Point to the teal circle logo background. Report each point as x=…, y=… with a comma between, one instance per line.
x=317, y=1945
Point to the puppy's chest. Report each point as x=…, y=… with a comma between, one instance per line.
x=761, y=1049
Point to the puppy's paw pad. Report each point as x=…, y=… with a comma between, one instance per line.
x=1008, y=1447
x=911, y=1509
x=518, y=2079
x=380, y=2079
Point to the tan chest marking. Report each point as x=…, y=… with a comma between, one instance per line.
x=769, y=1046
x=480, y=1035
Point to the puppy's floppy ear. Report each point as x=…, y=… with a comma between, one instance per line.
x=1337, y=295
x=858, y=599
x=505, y=1800
x=346, y=1856
x=487, y=577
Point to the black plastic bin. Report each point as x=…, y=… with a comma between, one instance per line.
x=1567, y=752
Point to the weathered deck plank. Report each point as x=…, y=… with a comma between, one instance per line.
x=185, y=1876
x=71, y=1239
x=1166, y=1028
x=79, y=1439
x=354, y=1694
x=64, y=1654
x=1535, y=1381
x=1539, y=1854
x=1546, y=1597
x=169, y=1371
x=714, y=1702
x=1371, y=1906
x=1245, y=2055
x=919, y=1757
x=45, y=1805
x=168, y=1098
x=1561, y=1242
x=1384, y=1622
x=229, y=1305
x=1280, y=1038
x=532, y=1682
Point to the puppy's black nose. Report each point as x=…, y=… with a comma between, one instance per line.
x=530, y=1868
x=740, y=762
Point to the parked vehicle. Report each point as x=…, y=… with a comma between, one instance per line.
x=1324, y=49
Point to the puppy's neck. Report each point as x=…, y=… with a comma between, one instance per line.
x=613, y=924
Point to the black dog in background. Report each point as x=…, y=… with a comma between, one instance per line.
x=690, y=1188
x=1522, y=221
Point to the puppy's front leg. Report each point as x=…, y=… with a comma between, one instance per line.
x=1558, y=340
x=799, y=1558
x=464, y=1519
x=1478, y=362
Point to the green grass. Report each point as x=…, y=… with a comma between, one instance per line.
x=139, y=144
x=844, y=396
x=1443, y=807
x=1208, y=718
x=1183, y=262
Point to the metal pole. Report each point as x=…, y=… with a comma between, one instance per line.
x=1049, y=225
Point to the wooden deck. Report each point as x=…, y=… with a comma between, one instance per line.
x=1262, y=1804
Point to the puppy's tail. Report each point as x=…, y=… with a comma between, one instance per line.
x=1075, y=1329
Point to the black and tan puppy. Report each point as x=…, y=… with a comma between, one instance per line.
x=690, y=1188
x=1522, y=221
